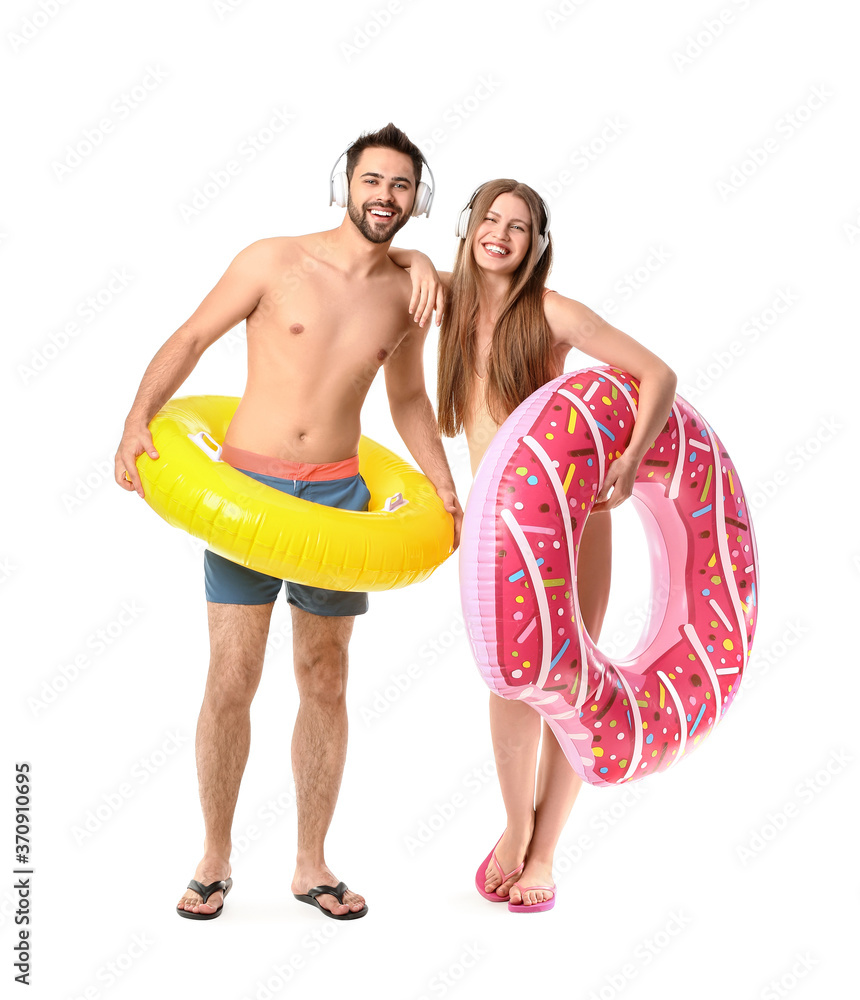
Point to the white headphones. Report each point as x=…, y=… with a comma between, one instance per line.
x=338, y=189
x=462, y=227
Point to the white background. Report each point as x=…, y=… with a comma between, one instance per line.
x=725, y=875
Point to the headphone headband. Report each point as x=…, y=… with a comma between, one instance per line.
x=462, y=227
x=338, y=187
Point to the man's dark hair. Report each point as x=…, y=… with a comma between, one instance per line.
x=389, y=137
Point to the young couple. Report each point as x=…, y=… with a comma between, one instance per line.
x=324, y=313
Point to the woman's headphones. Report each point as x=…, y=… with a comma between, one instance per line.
x=338, y=188
x=463, y=222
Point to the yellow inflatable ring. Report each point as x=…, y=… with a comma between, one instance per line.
x=402, y=537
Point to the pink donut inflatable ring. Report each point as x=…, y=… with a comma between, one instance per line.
x=616, y=721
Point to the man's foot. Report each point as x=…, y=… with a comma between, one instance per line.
x=534, y=873
x=509, y=852
x=307, y=878
x=211, y=869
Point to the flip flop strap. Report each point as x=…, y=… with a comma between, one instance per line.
x=528, y=888
x=206, y=890
x=328, y=890
x=513, y=871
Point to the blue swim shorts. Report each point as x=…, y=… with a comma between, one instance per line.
x=231, y=583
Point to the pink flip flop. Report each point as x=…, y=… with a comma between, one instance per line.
x=547, y=904
x=481, y=876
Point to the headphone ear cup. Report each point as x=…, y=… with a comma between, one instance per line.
x=422, y=197
x=463, y=222
x=542, y=245
x=340, y=189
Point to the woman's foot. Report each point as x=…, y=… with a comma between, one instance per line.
x=536, y=872
x=509, y=854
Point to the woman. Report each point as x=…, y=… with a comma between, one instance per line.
x=504, y=334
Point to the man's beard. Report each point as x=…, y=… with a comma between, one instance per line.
x=364, y=226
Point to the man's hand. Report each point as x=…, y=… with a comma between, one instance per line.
x=135, y=441
x=452, y=505
x=622, y=475
x=428, y=292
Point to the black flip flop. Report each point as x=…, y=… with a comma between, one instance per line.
x=206, y=891
x=337, y=891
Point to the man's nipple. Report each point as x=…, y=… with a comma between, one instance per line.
x=381, y=354
x=297, y=328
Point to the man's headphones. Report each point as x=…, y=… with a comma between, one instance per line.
x=339, y=187
x=463, y=222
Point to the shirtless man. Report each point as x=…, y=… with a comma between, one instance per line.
x=314, y=347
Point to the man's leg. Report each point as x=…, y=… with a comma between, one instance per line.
x=237, y=641
x=319, y=745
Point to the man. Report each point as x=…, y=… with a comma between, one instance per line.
x=324, y=312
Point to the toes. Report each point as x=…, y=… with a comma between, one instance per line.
x=330, y=903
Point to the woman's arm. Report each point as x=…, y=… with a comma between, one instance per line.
x=575, y=325
x=428, y=286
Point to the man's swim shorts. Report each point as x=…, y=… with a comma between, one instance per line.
x=334, y=484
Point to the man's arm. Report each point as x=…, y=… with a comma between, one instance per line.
x=428, y=286
x=415, y=420
x=234, y=297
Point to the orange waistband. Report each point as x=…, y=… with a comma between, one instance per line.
x=267, y=466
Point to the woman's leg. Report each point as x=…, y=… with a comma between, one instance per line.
x=515, y=728
x=557, y=782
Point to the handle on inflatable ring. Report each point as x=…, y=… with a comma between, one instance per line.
x=207, y=445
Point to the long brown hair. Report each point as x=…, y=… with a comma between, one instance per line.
x=520, y=359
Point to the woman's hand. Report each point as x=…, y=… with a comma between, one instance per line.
x=621, y=475
x=428, y=292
